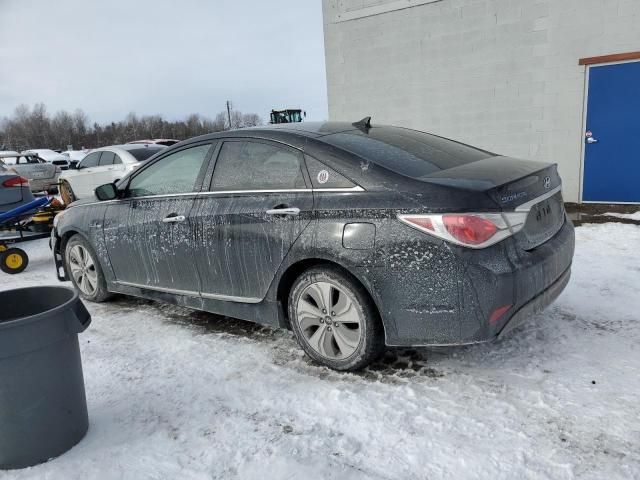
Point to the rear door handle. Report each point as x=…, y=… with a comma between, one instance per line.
x=283, y=211
x=174, y=218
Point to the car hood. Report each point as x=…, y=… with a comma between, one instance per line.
x=83, y=201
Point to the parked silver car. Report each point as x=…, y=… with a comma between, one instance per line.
x=43, y=176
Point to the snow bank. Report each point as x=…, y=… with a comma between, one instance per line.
x=180, y=394
x=630, y=216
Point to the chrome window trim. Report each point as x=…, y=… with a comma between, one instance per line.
x=192, y=293
x=357, y=188
x=525, y=207
x=227, y=192
x=233, y=192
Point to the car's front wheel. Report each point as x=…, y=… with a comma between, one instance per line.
x=334, y=320
x=84, y=269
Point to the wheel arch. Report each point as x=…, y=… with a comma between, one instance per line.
x=66, y=236
x=294, y=270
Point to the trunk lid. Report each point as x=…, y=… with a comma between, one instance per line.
x=514, y=185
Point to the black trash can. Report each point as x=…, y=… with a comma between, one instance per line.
x=43, y=409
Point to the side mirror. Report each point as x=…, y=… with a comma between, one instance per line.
x=107, y=191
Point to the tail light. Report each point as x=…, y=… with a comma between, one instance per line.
x=16, y=182
x=473, y=230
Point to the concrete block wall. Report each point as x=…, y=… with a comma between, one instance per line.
x=499, y=74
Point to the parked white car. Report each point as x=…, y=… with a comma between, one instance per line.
x=75, y=156
x=102, y=165
x=50, y=156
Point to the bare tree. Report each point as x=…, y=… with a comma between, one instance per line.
x=35, y=128
x=251, y=120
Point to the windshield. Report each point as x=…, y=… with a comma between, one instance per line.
x=408, y=152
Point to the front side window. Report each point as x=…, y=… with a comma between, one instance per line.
x=175, y=173
x=90, y=160
x=257, y=166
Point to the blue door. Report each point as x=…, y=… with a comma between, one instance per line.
x=612, y=139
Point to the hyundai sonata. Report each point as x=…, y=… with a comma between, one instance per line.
x=354, y=236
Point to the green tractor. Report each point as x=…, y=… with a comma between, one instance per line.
x=289, y=115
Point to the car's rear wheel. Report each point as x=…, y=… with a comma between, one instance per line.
x=334, y=320
x=66, y=193
x=84, y=269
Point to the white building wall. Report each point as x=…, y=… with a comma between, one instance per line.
x=499, y=74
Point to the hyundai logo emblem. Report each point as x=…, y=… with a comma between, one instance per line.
x=546, y=182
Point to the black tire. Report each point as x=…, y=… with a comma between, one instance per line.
x=13, y=260
x=66, y=192
x=100, y=292
x=371, y=333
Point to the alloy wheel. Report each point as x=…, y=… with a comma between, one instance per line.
x=329, y=320
x=83, y=269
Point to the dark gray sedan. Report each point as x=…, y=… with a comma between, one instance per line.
x=354, y=236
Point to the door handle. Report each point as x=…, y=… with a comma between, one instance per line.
x=284, y=211
x=174, y=218
x=591, y=140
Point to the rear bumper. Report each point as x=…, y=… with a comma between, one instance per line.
x=538, y=304
x=42, y=184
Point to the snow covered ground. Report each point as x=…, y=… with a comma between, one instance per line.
x=630, y=216
x=178, y=394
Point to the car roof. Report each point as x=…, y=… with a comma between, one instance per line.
x=295, y=133
x=130, y=146
x=309, y=129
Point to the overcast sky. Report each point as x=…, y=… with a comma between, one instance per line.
x=166, y=57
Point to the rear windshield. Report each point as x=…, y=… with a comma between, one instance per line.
x=141, y=154
x=407, y=152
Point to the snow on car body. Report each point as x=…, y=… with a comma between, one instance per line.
x=50, y=156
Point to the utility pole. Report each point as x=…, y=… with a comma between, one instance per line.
x=229, y=113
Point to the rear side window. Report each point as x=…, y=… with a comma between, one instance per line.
x=116, y=159
x=106, y=159
x=143, y=153
x=90, y=160
x=325, y=177
x=407, y=152
x=257, y=166
x=175, y=173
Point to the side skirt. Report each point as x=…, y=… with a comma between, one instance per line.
x=264, y=312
